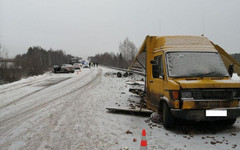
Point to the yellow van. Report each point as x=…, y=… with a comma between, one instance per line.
x=186, y=78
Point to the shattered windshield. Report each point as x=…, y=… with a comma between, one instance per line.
x=195, y=64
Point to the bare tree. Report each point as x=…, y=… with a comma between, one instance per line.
x=123, y=59
x=127, y=49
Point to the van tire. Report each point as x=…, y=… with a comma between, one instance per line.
x=168, y=119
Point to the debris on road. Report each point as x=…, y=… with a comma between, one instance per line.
x=128, y=132
x=233, y=134
x=130, y=110
x=148, y=120
x=156, y=118
x=125, y=148
x=110, y=74
x=119, y=74
x=234, y=145
x=213, y=142
x=126, y=74
x=132, y=106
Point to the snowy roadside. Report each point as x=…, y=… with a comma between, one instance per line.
x=235, y=77
x=183, y=136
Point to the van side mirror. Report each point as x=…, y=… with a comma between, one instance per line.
x=230, y=70
x=153, y=62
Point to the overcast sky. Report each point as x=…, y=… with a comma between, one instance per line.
x=87, y=27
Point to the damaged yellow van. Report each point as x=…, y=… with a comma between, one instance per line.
x=187, y=78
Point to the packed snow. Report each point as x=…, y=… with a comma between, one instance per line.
x=235, y=77
x=68, y=111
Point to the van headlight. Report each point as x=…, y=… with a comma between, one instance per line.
x=186, y=94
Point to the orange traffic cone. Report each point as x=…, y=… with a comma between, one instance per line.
x=143, y=145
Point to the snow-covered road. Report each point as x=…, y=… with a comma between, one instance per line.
x=68, y=111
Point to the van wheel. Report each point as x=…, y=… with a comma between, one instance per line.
x=168, y=119
x=65, y=71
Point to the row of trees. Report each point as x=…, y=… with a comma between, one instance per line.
x=5, y=64
x=3, y=52
x=127, y=52
x=236, y=56
x=36, y=61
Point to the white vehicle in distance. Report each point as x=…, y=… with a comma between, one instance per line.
x=86, y=65
x=77, y=65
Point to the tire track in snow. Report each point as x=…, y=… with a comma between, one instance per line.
x=20, y=117
x=69, y=117
x=30, y=94
x=21, y=85
x=43, y=104
x=25, y=96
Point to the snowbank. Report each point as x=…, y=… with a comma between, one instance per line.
x=235, y=77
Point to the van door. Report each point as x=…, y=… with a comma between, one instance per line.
x=156, y=84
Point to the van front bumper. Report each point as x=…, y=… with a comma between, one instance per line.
x=200, y=114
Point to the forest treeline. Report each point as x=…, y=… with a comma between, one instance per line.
x=36, y=61
x=236, y=56
x=122, y=59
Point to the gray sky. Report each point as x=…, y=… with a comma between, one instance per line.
x=86, y=27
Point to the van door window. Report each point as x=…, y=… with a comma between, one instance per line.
x=158, y=67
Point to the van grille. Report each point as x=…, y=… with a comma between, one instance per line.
x=212, y=94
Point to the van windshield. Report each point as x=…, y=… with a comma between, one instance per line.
x=195, y=64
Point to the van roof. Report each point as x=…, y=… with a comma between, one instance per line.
x=182, y=43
